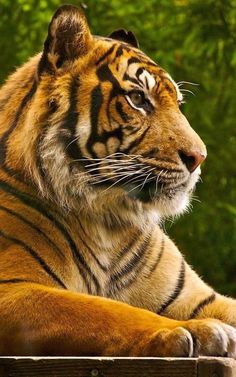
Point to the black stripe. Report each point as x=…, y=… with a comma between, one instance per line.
x=126, y=77
x=119, y=52
x=104, y=74
x=97, y=99
x=127, y=248
x=7, y=133
x=146, y=82
x=69, y=123
x=133, y=59
x=202, y=304
x=138, y=73
x=33, y=253
x=72, y=114
x=119, y=109
x=95, y=107
x=138, y=268
x=115, y=279
x=33, y=226
x=159, y=255
x=107, y=53
x=103, y=268
x=177, y=290
x=38, y=206
x=135, y=142
x=14, y=281
x=132, y=129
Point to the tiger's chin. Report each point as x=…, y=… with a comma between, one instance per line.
x=166, y=201
x=172, y=207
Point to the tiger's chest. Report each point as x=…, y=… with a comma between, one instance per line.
x=63, y=252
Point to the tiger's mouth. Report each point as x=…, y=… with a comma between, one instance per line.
x=146, y=190
x=152, y=191
x=141, y=181
x=147, y=193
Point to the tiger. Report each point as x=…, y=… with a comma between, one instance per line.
x=95, y=153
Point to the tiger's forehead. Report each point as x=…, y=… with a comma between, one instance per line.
x=135, y=66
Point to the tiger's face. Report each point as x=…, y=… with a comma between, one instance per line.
x=114, y=136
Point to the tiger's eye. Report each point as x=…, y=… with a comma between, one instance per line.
x=136, y=98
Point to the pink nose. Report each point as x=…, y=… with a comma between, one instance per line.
x=192, y=159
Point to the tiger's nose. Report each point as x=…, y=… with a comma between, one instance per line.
x=192, y=159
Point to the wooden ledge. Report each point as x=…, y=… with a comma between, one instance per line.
x=116, y=367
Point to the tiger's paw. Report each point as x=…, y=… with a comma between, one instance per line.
x=213, y=337
x=206, y=337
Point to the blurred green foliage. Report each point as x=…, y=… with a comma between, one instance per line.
x=195, y=40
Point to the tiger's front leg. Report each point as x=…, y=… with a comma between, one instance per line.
x=217, y=306
x=186, y=296
x=39, y=320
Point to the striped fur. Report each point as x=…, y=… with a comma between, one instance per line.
x=86, y=176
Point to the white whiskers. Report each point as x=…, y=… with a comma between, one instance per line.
x=180, y=84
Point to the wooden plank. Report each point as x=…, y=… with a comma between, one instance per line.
x=116, y=367
x=216, y=367
x=97, y=367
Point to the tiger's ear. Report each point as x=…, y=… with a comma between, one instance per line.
x=125, y=36
x=68, y=38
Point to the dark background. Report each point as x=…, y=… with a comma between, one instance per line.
x=195, y=41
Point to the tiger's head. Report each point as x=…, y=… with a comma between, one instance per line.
x=105, y=126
